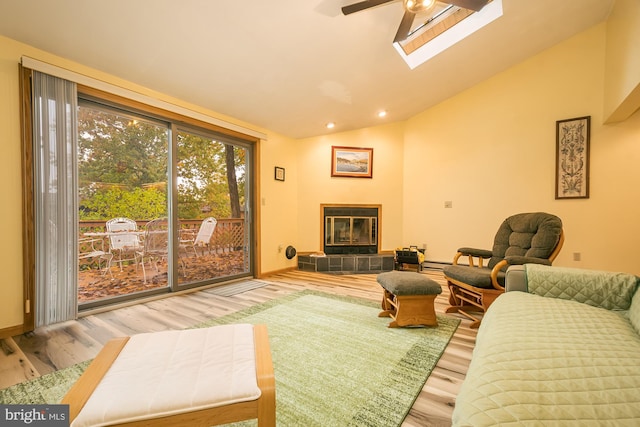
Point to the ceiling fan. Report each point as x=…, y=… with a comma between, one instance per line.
x=411, y=7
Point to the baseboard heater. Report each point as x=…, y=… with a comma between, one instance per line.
x=435, y=265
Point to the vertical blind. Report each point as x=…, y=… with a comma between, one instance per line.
x=55, y=142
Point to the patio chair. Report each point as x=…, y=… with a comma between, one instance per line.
x=523, y=238
x=124, y=240
x=202, y=239
x=156, y=244
x=92, y=249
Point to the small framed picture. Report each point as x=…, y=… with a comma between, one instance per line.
x=279, y=173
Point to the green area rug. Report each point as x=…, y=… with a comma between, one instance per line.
x=336, y=362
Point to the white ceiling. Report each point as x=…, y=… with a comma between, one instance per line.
x=289, y=66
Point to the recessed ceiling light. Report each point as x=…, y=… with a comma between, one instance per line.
x=382, y=113
x=331, y=125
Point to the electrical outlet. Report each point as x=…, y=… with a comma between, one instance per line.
x=576, y=256
x=448, y=204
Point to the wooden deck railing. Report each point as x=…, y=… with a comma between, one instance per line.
x=228, y=235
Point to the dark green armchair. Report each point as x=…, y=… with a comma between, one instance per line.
x=535, y=237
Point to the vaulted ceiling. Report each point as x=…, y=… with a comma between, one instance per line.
x=289, y=66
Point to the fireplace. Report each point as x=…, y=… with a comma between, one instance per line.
x=350, y=229
x=350, y=241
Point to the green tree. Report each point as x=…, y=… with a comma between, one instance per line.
x=116, y=149
x=139, y=203
x=234, y=196
x=123, y=165
x=203, y=179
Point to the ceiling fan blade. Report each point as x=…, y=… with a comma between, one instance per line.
x=405, y=26
x=357, y=7
x=469, y=4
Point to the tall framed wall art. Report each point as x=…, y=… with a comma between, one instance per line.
x=572, y=158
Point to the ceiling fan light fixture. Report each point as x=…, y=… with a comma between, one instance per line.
x=415, y=6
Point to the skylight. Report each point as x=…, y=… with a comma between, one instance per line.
x=442, y=28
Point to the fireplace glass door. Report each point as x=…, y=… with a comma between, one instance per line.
x=350, y=231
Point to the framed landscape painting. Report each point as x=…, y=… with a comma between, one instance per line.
x=352, y=162
x=572, y=158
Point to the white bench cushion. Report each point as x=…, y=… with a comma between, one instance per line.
x=166, y=373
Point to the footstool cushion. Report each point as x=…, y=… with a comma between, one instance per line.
x=408, y=298
x=206, y=376
x=408, y=283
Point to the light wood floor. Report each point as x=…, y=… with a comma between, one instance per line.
x=62, y=345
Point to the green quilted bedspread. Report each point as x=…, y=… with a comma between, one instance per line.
x=551, y=362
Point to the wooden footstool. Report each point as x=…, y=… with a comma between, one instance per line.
x=194, y=377
x=408, y=298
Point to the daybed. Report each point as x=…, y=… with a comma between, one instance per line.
x=560, y=347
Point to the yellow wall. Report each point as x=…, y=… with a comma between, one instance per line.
x=491, y=151
x=11, y=188
x=316, y=186
x=278, y=203
x=622, y=72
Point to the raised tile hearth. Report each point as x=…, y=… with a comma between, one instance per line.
x=346, y=264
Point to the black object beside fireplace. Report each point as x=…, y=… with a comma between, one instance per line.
x=350, y=230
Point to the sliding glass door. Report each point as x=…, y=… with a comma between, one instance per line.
x=160, y=207
x=123, y=161
x=212, y=207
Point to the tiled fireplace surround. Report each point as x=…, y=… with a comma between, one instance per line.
x=348, y=262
